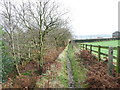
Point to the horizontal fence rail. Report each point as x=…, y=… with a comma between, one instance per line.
x=94, y=40
x=99, y=53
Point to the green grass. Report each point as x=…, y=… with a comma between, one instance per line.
x=79, y=72
x=112, y=43
x=63, y=74
x=60, y=80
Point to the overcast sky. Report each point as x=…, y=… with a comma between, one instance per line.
x=91, y=17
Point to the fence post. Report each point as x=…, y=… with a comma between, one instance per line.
x=86, y=46
x=99, y=51
x=80, y=46
x=83, y=46
x=118, y=59
x=90, y=49
x=110, y=61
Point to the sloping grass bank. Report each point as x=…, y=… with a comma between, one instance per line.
x=56, y=76
x=79, y=72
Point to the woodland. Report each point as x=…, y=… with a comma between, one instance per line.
x=33, y=34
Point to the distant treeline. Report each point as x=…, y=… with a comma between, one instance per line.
x=93, y=40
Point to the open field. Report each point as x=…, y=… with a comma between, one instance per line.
x=112, y=43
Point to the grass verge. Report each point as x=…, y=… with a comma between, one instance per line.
x=79, y=72
x=57, y=76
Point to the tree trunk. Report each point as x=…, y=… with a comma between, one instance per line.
x=41, y=58
x=29, y=54
x=13, y=53
x=17, y=69
x=56, y=42
x=16, y=66
x=41, y=46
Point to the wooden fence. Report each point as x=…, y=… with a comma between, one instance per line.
x=99, y=53
x=93, y=40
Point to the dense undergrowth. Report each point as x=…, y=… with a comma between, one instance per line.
x=50, y=78
x=88, y=72
x=97, y=75
x=56, y=76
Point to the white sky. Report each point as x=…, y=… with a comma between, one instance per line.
x=91, y=17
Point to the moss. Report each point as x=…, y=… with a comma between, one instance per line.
x=28, y=73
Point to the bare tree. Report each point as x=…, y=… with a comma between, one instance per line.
x=10, y=23
x=27, y=26
x=42, y=16
x=59, y=37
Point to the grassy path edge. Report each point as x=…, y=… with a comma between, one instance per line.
x=60, y=78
